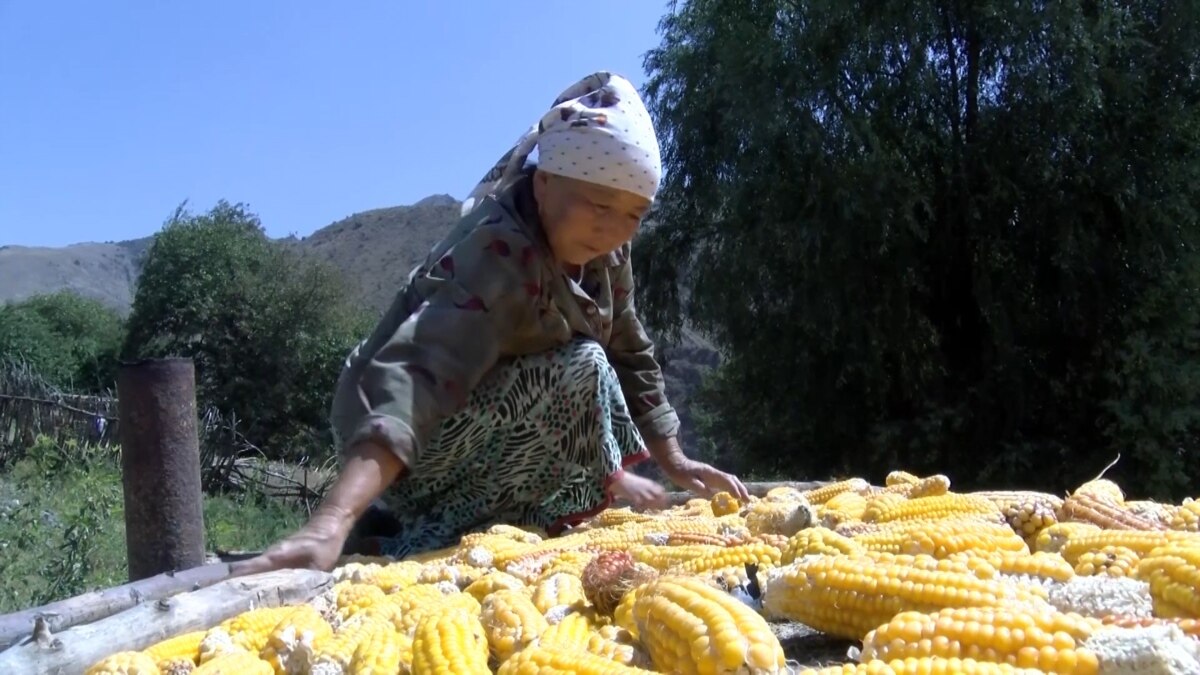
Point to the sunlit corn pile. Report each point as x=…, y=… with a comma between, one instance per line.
x=916, y=577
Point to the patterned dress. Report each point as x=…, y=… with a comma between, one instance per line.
x=511, y=392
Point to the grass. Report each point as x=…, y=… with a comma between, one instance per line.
x=62, y=527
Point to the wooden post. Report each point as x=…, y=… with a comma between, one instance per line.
x=160, y=467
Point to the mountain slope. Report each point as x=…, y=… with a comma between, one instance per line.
x=104, y=271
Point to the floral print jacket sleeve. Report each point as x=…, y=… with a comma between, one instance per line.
x=458, y=315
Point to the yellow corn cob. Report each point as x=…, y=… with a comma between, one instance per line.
x=623, y=614
x=731, y=577
x=1026, y=512
x=460, y=575
x=1140, y=542
x=823, y=494
x=1051, y=538
x=691, y=538
x=610, y=517
x=724, y=503
x=176, y=665
x=407, y=623
x=786, y=518
x=617, y=645
x=493, y=581
x=525, y=534
x=380, y=653
x=1187, y=626
x=942, y=538
x=1044, y=639
x=247, y=631
x=900, y=478
x=975, y=564
x=1039, y=565
x=511, y=622
x=1163, y=514
x=1173, y=572
x=759, y=554
x=937, y=507
x=184, y=646
x=1111, y=561
x=558, y=660
x=929, y=665
x=689, y=627
x=848, y=596
x=353, y=597
x=1186, y=518
x=292, y=640
x=846, y=507
x=234, y=663
x=559, y=590
x=818, y=540
x=125, y=663
x=664, y=557
x=572, y=632
x=923, y=487
x=1102, y=488
x=332, y=656
x=450, y=641
x=783, y=493
x=569, y=562
x=388, y=576
x=1109, y=515
x=436, y=556
x=409, y=599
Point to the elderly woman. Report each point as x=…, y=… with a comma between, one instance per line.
x=511, y=380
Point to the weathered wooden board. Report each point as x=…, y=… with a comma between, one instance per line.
x=72, y=651
x=89, y=607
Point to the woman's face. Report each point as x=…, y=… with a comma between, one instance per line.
x=584, y=221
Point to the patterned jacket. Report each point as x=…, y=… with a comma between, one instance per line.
x=490, y=290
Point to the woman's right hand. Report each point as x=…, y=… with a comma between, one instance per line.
x=317, y=546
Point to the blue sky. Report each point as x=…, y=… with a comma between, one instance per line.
x=114, y=112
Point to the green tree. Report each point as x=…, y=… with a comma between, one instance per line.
x=266, y=327
x=71, y=340
x=949, y=236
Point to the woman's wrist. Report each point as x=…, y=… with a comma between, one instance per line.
x=666, y=452
x=368, y=471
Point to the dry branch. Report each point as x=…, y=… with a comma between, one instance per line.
x=97, y=605
x=74, y=650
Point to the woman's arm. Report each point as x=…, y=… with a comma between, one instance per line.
x=631, y=353
x=367, y=471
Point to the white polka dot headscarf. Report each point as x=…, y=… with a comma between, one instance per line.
x=598, y=131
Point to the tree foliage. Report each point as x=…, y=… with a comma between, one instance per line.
x=71, y=340
x=266, y=327
x=951, y=236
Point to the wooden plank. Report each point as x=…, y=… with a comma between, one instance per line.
x=75, y=649
x=89, y=607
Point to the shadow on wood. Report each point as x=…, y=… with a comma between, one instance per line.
x=74, y=650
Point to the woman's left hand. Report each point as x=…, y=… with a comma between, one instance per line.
x=704, y=479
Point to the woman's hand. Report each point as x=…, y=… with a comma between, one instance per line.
x=368, y=471
x=698, y=478
x=317, y=546
x=705, y=479
x=642, y=493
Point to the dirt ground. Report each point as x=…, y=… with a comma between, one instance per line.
x=810, y=649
